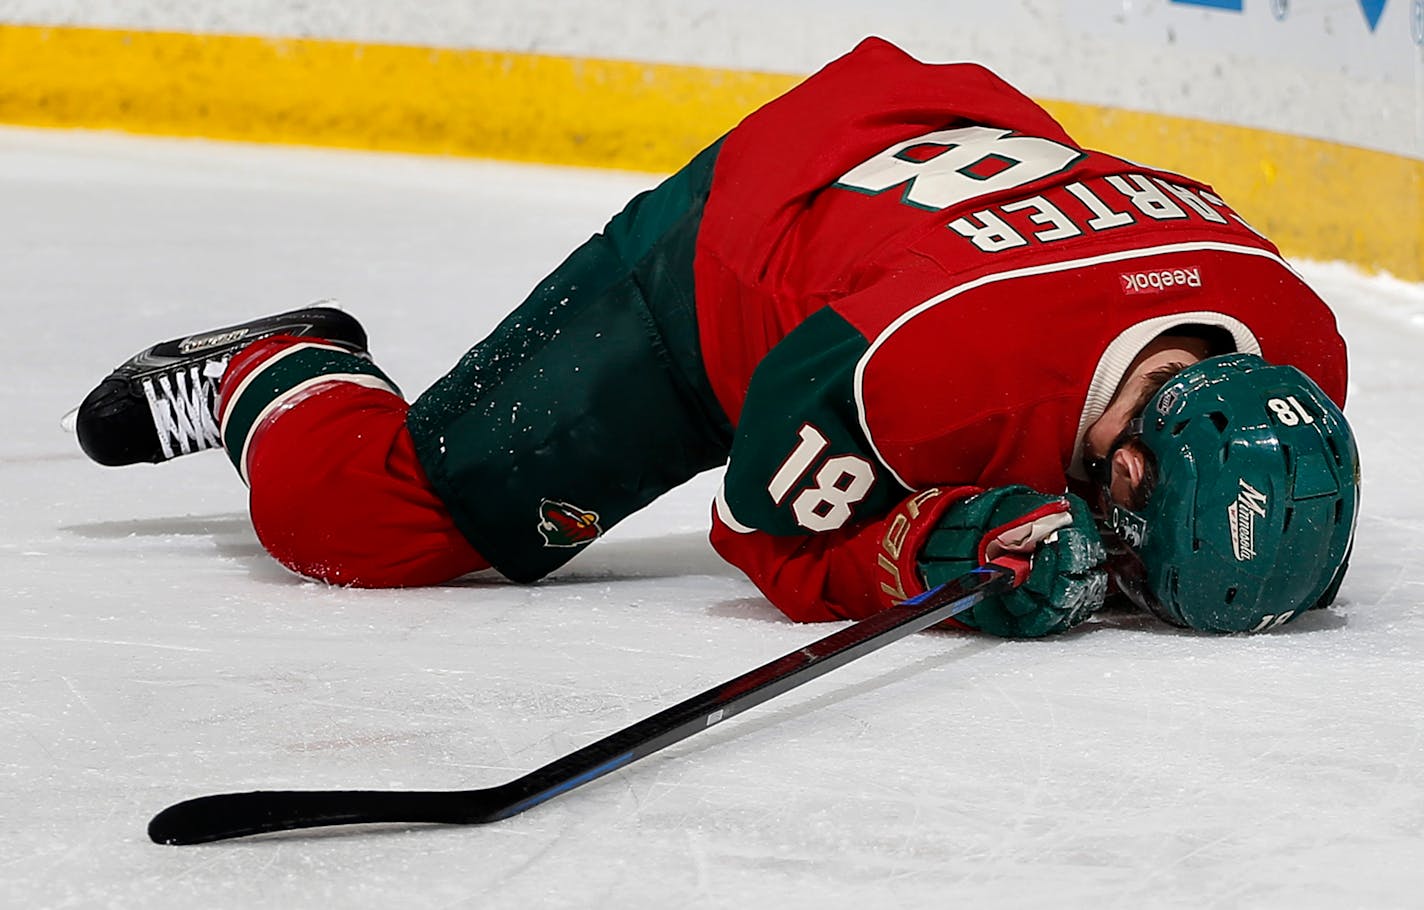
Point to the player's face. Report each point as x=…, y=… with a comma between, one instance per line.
x=1119, y=464
x=1125, y=477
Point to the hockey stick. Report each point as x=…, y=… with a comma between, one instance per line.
x=225, y=815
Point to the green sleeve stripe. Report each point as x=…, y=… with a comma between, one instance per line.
x=282, y=378
x=800, y=417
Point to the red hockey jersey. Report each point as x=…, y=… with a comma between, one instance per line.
x=911, y=282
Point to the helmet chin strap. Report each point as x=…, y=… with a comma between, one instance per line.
x=1124, y=530
x=1128, y=526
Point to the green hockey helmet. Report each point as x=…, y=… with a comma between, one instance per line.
x=1251, y=516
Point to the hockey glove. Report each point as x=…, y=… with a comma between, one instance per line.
x=1066, y=579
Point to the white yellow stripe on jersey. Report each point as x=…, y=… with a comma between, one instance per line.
x=1115, y=359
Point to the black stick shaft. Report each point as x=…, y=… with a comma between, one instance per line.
x=225, y=815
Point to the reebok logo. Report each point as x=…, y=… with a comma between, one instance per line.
x=1241, y=515
x=1160, y=280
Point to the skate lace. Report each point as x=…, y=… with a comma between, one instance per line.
x=184, y=407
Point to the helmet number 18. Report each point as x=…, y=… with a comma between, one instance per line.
x=1289, y=411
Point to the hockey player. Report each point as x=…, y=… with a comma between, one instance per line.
x=921, y=326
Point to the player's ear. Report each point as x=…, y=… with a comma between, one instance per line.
x=1128, y=471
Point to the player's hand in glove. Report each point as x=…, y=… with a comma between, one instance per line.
x=1066, y=578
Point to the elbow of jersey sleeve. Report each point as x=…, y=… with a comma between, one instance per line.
x=782, y=569
x=847, y=574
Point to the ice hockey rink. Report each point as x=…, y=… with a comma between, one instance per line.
x=152, y=653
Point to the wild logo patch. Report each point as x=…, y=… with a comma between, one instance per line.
x=562, y=524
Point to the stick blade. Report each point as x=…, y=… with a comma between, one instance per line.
x=227, y=815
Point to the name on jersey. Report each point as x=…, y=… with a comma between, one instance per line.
x=954, y=169
x=1089, y=207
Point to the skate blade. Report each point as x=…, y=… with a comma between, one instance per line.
x=68, y=421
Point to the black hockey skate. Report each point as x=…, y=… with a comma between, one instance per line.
x=161, y=403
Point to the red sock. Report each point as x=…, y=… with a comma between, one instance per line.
x=337, y=493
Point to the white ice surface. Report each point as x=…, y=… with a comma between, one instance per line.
x=150, y=652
